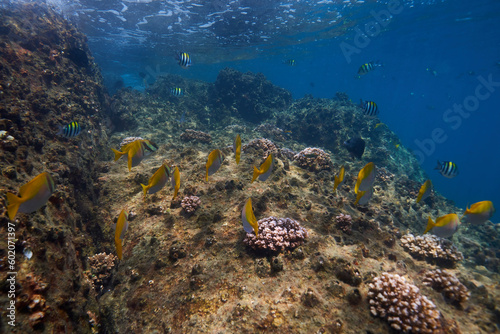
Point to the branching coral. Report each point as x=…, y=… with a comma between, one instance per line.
x=190, y=203
x=344, y=223
x=402, y=305
x=100, y=269
x=263, y=144
x=314, y=159
x=192, y=135
x=449, y=286
x=276, y=234
x=431, y=247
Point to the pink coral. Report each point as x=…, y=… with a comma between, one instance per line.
x=276, y=234
x=263, y=144
x=190, y=203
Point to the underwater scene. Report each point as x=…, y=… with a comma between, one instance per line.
x=249, y=166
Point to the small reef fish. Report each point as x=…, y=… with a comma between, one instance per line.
x=444, y=226
x=72, y=129
x=368, y=67
x=214, y=162
x=355, y=146
x=364, y=183
x=248, y=219
x=265, y=169
x=479, y=212
x=290, y=62
x=370, y=108
x=425, y=191
x=32, y=196
x=176, y=91
x=176, y=181
x=378, y=125
x=120, y=228
x=447, y=169
x=184, y=59
x=157, y=181
x=237, y=148
x=136, y=151
x=339, y=179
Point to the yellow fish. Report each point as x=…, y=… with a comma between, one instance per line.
x=339, y=179
x=479, y=212
x=444, y=226
x=364, y=184
x=425, y=191
x=214, y=162
x=32, y=196
x=176, y=181
x=136, y=151
x=363, y=197
x=248, y=219
x=157, y=181
x=265, y=169
x=378, y=124
x=120, y=229
x=237, y=148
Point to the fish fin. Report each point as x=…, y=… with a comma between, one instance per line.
x=430, y=225
x=256, y=173
x=145, y=189
x=129, y=163
x=359, y=195
x=14, y=203
x=117, y=153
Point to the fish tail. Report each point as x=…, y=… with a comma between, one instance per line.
x=145, y=189
x=117, y=153
x=359, y=195
x=14, y=203
x=118, y=244
x=256, y=173
x=430, y=225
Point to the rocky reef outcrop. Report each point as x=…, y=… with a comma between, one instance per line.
x=48, y=79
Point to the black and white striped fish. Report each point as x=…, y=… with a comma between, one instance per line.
x=447, y=169
x=176, y=91
x=365, y=68
x=184, y=59
x=73, y=129
x=370, y=108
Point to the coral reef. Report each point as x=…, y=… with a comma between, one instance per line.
x=276, y=234
x=249, y=96
x=449, y=286
x=344, y=223
x=193, y=135
x=190, y=203
x=402, y=305
x=101, y=265
x=313, y=159
x=431, y=247
x=262, y=144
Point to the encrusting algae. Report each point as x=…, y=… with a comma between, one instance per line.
x=190, y=268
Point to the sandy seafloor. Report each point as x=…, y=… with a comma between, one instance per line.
x=190, y=272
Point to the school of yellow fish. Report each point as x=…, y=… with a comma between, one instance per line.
x=35, y=194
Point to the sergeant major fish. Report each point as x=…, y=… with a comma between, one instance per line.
x=72, y=129
x=368, y=67
x=370, y=108
x=447, y=168
x=184, y=59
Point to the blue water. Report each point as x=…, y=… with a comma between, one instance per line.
x=435, y=55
